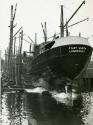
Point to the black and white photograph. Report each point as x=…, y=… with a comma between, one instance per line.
x=46, y=62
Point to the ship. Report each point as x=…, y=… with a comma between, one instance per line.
x=60, y=60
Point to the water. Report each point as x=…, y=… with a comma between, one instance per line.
x=43, y=108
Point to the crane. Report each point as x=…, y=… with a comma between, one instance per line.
x=62, y=26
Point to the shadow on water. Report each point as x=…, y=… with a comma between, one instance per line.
x=47, y=111
x=22, y=108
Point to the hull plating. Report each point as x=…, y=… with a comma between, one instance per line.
x=60, y=64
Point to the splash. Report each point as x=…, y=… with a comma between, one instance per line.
x=65, y=98
x=36, y=90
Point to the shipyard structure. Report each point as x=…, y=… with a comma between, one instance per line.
x=53, y=64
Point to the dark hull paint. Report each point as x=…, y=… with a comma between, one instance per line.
x=61, y=63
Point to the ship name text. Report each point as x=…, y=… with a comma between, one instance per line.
x=76, y=49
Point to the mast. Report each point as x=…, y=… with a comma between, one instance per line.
x=61, y=23
x=10, y=45
x=44, y=31
x=19, y=61
x=10, y=53
x=35, y=38
x=20, y=56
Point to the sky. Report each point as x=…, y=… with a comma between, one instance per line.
x=30, y=14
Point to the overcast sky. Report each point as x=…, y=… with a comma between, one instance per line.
x=30, y=14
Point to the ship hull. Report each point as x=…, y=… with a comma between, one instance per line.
x=59, y=64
